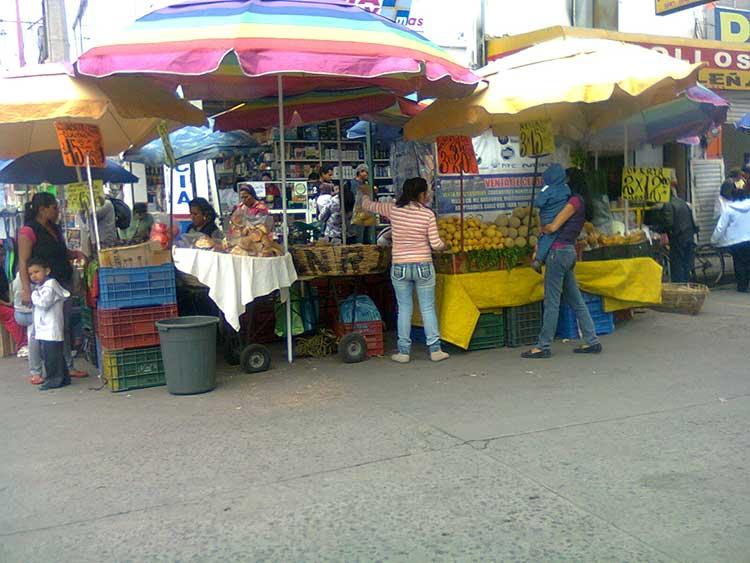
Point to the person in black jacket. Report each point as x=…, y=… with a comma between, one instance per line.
x=680, y=226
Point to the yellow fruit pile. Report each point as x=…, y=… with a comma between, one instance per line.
x=508, y=231
x=595, y=239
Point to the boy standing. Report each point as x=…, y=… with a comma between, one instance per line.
x=48, y=298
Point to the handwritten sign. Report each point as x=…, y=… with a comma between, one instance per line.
x=456, y=155
x=77, y=195
x=168, y=150
x=647, y=184
x=537, y=138
x=79, y=140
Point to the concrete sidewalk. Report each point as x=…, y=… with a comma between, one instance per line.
x=640, y=454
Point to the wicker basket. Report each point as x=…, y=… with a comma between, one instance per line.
x=350, y=260
x=685, y=298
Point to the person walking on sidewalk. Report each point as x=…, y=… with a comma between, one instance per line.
x=733, y=233
x=48, y=298
x=560, y=282
x=414, y=234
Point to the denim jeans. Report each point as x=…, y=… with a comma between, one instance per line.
x=405, y=278
x=362, y=235
x=35, y=354
x=560, y=282
x=681, y=261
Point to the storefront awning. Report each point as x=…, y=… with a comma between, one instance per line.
x=727, y=65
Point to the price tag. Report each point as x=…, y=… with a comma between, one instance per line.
x=537, y=138
x=77, y=195
x=456, y=155
x=168, y=150
x=79, y=140
x=647, y=184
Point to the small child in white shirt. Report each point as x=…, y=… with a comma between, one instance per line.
x=48, y=298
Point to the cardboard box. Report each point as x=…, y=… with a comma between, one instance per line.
x=136, y=256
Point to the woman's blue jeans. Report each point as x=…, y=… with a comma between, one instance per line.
x=406, y=278
x=560, y=282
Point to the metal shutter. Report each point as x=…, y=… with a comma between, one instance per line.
x=706, y=177
x=739, y=106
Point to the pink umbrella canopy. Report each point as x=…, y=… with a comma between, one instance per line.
x=236, y=49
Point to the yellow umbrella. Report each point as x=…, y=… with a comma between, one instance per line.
x=126, y=109
x=581, y=85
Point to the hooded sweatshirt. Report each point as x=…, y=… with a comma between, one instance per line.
x=550, y=201
x=734, y=224
x=48, y=301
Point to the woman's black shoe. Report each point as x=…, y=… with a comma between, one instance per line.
x=594, y=349
x=530, y=354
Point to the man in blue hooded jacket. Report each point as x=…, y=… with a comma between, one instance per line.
x=550, y=200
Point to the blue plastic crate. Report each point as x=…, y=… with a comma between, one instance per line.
x=121, y=288
x=567, y=324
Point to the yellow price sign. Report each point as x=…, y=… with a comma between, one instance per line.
x=168, y=150
x=647, y=184
x=537, y=138
x=77, y=195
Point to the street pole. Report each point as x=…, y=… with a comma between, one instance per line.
x=19, y=33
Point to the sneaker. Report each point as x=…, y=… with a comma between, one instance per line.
x=439, y=356
x=23, y=352
x=593, y=349
x=401, y=358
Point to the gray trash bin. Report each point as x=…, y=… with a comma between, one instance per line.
x=188, y=347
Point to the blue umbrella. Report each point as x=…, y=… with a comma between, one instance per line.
x=47, y=166
x=191, y=144
x=743, y=124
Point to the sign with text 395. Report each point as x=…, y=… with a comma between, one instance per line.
x=647, y=184
x=537, y=138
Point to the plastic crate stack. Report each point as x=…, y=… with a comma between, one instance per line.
x=131, y=301
x=489, y=332
x=567, y=324
x=523, y=324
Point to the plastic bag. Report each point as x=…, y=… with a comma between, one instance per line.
x=361, y=216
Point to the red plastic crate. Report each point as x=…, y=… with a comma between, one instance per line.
x=371, y=330
x=120, y=329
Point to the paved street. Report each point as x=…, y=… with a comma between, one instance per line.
x=641, y=454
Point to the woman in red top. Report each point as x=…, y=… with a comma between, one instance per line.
x=250, y=203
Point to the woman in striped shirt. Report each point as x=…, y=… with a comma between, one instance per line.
x=415, y=235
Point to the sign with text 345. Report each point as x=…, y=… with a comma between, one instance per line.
x=79, y=140
x=537, y=138
x=647, y=184
x=456, y=155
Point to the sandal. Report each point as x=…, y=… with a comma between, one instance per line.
x=36, y=380
x=77, y=373
x=536, y=354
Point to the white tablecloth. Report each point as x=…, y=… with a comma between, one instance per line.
x=235, y=281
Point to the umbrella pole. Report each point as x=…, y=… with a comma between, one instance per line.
x=171, y=208
x=626, y=160
x=285, y=233
x=342, y=195
x=93, y=204
x=461, y=207
x=533, y=195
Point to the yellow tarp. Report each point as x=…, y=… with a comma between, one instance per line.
x=460, y=298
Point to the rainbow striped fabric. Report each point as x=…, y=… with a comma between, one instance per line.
x=306, y=108
x=234, y=49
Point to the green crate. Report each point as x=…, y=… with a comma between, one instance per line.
x=133, y=369
x=489, y=332
x=522, y=324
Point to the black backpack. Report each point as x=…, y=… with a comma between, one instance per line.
x=122, y=213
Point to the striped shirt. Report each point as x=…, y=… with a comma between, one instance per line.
x=413, y=230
